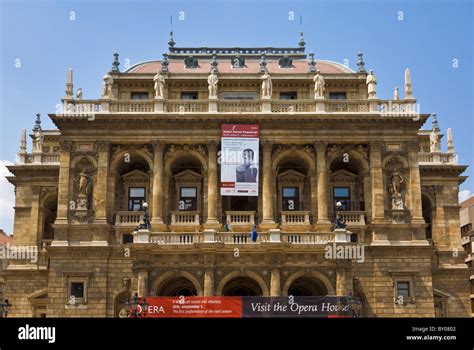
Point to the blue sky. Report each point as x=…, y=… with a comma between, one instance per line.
x=47, y=39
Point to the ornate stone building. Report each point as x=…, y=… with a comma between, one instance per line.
x=153, y=137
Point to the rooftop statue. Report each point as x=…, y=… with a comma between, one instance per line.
x=267, y=86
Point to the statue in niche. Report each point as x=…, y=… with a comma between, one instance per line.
x=396, y=181
x=267, y=86
x=159, y=85
x=212, y=80
x=83, y=184
x=318, y=85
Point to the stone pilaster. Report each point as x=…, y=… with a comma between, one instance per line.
x=275, y=287
x=341, y=285
x=61, y=231
x=63, y=186
x=208, y=282
x=376, y=173
x=142, y=287
x=212, y=186
x=415, y=184
x=267, y=188
x=100, y=189
x=322, y=178
x=157, y=196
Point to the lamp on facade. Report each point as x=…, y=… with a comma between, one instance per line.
x=5, y=307
x=339, y=223
x=145, y=225
x=355, y=305
x=136, y=307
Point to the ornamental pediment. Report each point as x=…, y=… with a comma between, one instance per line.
x=343, y=175
x=291, y=175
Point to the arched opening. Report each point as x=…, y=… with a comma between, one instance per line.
x=131, y=189
x=175, y=287
x=427, y=211
x=49, y=213
x=293, y=187
x=307, y=286
x=348, y=182
x=242, y=286
x=185, y=191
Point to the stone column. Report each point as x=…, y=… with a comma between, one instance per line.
x=142, y=283
x=63, y=184
x=212, y=185
x=341, y=287
x=322, y=178
x=367, y=195
x=100, y=190
x=267, y=188
x=275, y=287
x=36, y=219
x=157, y=196
x=208, y=282
x=376, y=173
x=415, y=183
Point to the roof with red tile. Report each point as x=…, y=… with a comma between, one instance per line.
x=4, y=238
x=251, y=66
x=467, y=203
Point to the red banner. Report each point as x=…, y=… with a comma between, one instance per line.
x=240, y=130
x=212, y=307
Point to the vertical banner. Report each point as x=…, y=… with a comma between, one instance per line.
x=239, y=159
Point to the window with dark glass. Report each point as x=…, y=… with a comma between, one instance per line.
x=127, y=238
x=193, y=95
x=290, y=198
x=77, y=289
x=188, y=199
x=403, y=289
x=288, y=95
x=337, y=96
x=140, y=95
x=136, y=198
x=236, y=95
x=342, y=194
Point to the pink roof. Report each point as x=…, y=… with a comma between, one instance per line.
x=4, y=238
x=251, y=66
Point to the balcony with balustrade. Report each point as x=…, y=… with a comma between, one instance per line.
x=87, y=108
x=184, y=221
x=297, y=220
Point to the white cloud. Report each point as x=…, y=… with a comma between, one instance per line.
x=7, y=198
x=464, y=194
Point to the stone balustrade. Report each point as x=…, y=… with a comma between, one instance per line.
x=236, y=218
x=39, y=158
x=237, y=106
x=384, y=107
x=353, y=218
x=335, y=106
x=293, y=106
x=307, y=238
x=185, y=218
x=437, y=158
x=175, y=238
x=128, y=218
x=295, y=218
x=186, y=106
x=239, y=238
x=132, y=106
